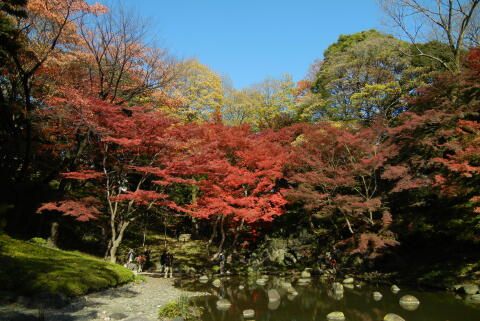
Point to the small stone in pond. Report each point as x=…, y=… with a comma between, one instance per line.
x=392, y=317
x=395, y=289
x=248, y=313
x=336, y=316
x=377, y=296
x=409, y=302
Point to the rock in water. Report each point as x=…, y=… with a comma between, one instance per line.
x=303, y=281
x=409, y=302
x=273, y=295
x=305, y=274
x=349, y=286
x=223, y=304
x=217, y=283
x=348, y=281
x=273, y=305
x=474, y=298
x=469, y=289
x=262, y=281
x=395, y=289
x=377, y=296
x=203, y=279
x=337, y=287
x=241, y=287
x=335, y=316
x=248, y=313
x=392, y=317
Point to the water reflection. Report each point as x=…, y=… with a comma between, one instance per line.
x=318, y=298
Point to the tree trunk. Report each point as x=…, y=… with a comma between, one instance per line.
x=53, y=238
x=222, y=240
x=235, y=239
x=116, y=241
x=214, y=234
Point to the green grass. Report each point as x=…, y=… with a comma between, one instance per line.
x=29, y=267
x=182, y=307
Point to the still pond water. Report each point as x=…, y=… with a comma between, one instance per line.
x=315, y=300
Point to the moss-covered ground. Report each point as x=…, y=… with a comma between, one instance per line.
x=28, y=268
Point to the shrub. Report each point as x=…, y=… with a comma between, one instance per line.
x=183, y=307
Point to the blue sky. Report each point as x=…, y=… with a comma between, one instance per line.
x=249, y=40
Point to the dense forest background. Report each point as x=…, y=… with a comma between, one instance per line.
x=106, y=139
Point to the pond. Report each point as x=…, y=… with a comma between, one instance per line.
x=313, y=300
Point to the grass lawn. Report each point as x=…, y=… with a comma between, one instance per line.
x=28, y=268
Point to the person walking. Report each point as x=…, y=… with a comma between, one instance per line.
x=168, y=265
x=163, y=258
x=130, y=255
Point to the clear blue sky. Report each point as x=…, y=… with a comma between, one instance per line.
x=249, y=40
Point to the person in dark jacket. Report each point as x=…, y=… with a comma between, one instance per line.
x=163, y=258
x=168, y=264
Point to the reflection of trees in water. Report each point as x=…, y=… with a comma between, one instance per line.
x=314, y=303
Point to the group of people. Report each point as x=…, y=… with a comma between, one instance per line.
x=141, y=260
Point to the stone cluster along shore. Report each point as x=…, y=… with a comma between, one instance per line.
x=131, y=302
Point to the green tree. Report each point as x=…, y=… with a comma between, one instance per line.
x=363, y=76
x=262, y=104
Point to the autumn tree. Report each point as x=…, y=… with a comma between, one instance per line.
x=122, y=63
x=334, y=173
x=200, y=90
x=237, y=173
x=125, y=163
x=437, y=161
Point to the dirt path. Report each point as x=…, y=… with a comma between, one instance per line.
x=132, y=302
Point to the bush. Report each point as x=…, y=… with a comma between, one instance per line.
x=38, y=241
x=183, y=307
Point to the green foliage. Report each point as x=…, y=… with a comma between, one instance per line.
x=28, y=268
x=183, y=308
x=363, y=75
x=38, y=241
x=262, y=104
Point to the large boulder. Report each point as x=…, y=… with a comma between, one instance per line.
x=409, y=302
x=336, y=316
x=392, y=317
x=273, y=295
